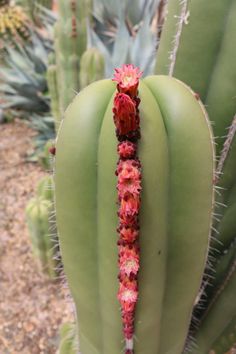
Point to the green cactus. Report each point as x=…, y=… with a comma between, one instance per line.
x=53, y=87
x=206, y=56
x=42, y=226
x=45, y=188
x=37, y=214
x=69, y=342
x=202, y=55
x=92, y=66
x=226, y=339
x=45, y=156
x=70, y=43
x=176, y=154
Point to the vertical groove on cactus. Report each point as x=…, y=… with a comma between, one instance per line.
x=127, y=122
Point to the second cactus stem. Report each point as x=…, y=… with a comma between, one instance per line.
x=127, y=123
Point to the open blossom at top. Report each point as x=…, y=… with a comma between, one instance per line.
x=124, y=114
x=127, y=78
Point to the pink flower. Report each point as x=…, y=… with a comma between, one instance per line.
x=128, y=220
x=126, y=150
x=128, y=295
x=128, y=261
x=129, y=205
x=127, y=78
x=129, y=178
x=128, y=234
x=124, y=114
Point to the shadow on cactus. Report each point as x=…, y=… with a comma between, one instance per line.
x=161, y=149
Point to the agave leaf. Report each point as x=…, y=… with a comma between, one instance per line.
x=144, y=43
x=121, y=46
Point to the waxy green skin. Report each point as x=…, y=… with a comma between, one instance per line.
x=176, y=153
x=205, y=57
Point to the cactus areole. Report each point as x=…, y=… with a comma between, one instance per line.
x=136, y=157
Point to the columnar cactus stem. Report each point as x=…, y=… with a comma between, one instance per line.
x=126, y=119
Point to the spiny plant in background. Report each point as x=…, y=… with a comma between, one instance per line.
x=14, y=24
x=69, y=340
x=39, y=11
x=70, y=43
x=209, y=67
x=175, y=215
x=53, y=86
x=115, y=39
x=42, y=227
x=121, y=31
x=23, y=87
x=92, y=67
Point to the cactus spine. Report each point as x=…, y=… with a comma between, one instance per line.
x=175, y=214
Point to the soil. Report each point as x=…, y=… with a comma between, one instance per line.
x=32, y=307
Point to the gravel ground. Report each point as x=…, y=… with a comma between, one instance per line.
x=32, y=307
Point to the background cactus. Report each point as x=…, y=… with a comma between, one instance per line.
x=124, y=30
x=14, y=25
x=42, y=227
x=70, y=43
x=204, y=59
x=117, y=41
x=92, y=67
x=69, y=340
x=53, y=88
x=175, y=217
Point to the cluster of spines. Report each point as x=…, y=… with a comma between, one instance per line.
x=128, y=172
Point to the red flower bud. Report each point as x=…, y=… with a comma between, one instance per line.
x=124, y=114
x=126, y=150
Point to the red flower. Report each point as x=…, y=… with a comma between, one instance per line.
x=129, y=205
x=129, y=178
x=128, y=234
x=128, y=295
x=126, y=150
x=128, y=220
x=127, y=78
x=124, y=114
x=128, y=261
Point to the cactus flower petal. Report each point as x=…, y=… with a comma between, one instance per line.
x=129, y=204
x=127, y=78
x=129, y=178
